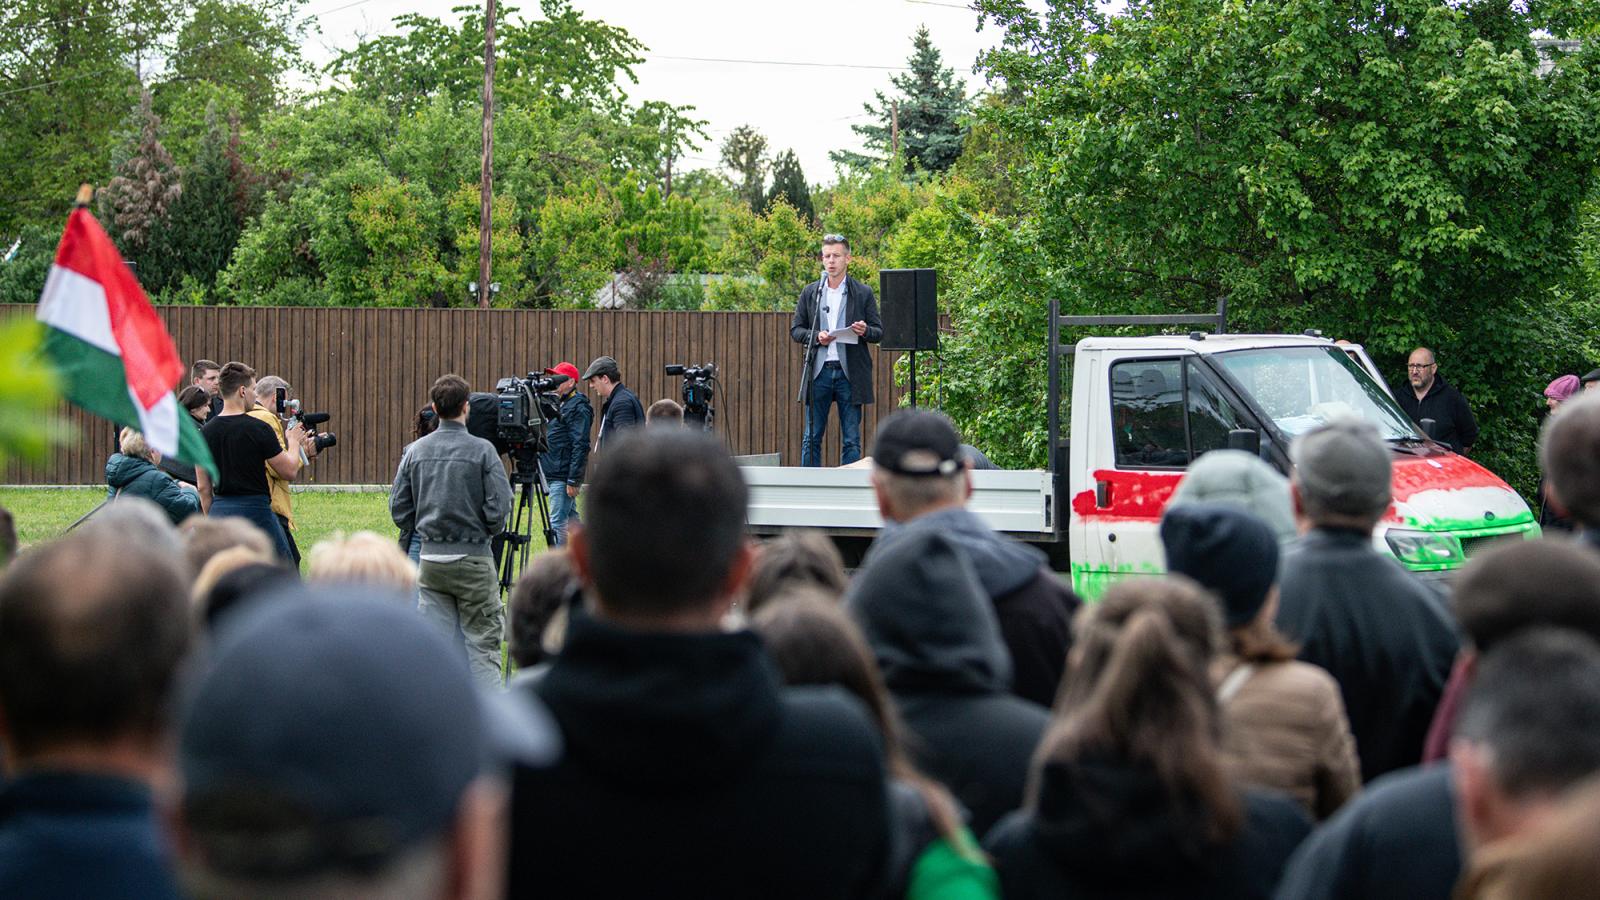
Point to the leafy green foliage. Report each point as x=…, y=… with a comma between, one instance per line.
x=744, y=155
x=789, y=185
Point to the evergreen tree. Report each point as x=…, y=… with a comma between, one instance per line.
x=744, y=153
x=932, y=106
x=789, y=185
x=145, y=187
x=199, y=232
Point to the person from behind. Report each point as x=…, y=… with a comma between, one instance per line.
x=1553, y=860
x=566, y=459
x=93, y=629
x=1398, y=839
x=362, y=558
x=1130, y=795
x=423, y=425
x=1242, y=480
x=815, y=643
x=335, y=746
x=797, y=557
x=1557, y=393
x=536, y=615
x=922, y=483
x=1569, y=455
x=451, y=488
x=690, y=771
x=205, y=537
x=1383, y=635
x=621, y=410
x=243, y=449
x=135, y=472
x=1529, y=733
x=944, y=660
x=664, y=413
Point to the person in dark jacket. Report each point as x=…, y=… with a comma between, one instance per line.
x=1382, y=634
x=134, y=473
x=1398, y=839
x=835, y=318
x=621, y=410
x=689, y=770
x=1430, y=397
x=924, y=613
x=922, y=484
x=568, y=454
x=93, y=629
x=1130, y=796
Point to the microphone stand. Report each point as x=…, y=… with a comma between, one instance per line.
x=811, y=343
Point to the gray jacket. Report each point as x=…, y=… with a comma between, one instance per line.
x=451, y=489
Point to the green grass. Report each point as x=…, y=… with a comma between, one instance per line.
x=42, y=515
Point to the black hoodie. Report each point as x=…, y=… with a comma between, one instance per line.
x=936, y=640
x=1107, y=829
x=690, y=772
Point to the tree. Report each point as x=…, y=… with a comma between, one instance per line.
x=135, y=202
x=247, y=48
x=196, y=236
x=789, y=185
x=931, y=106
x=744, y=154
x=1394, y=172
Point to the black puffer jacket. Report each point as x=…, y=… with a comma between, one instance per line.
x=1110, y=829
x=936, y=640
x=135, y=477
x=691, y=772
x=568, y=455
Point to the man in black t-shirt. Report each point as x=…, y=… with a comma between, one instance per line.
x=242, y=448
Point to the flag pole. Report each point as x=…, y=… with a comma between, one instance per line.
x=85, y=194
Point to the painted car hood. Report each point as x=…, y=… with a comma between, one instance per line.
x=1446, y=492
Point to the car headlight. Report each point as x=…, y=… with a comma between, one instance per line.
x=1424, y=548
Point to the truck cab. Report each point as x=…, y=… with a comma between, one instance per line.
x=1144, y=408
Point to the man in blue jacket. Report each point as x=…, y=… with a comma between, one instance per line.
x=563, y=463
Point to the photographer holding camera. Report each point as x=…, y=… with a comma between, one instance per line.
x=266, y=410
x=568, y=452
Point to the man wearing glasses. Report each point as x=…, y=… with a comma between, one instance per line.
x=1431, y=398
x=835, y=318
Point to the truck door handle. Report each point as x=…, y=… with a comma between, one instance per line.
x=1102, y=494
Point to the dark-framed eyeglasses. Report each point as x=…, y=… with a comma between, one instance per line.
x=1420, y=366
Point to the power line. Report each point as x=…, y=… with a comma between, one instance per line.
x=936, y=3
x=211, y=46
x=777, y=62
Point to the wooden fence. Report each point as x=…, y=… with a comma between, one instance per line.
x=371, y=368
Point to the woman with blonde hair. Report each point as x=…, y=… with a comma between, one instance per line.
x=1129, y=794
x=363, y=558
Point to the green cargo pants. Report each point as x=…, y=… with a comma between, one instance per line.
x=463, y=598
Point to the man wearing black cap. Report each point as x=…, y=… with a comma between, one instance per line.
x=1381, y=633
x=334, y=745
x=622, y=409
x=1590, y=380
x=922, y=483
x=835, y=318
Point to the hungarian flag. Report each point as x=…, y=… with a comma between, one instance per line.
x=114, y=356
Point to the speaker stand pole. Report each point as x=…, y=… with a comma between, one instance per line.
x=913, y=379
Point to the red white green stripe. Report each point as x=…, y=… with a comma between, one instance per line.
x=113, y=354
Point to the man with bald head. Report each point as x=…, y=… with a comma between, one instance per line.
x=1431, y=397
x=1381, y=633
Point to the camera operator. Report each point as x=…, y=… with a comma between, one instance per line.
x=564, y=462
x=666, y=412
x=266, y=410
x=245, y=449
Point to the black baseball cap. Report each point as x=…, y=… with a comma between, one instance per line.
x=917, y=442
x=1594, y=375
x=331, y=730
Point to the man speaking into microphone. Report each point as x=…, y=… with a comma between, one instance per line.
x=835, y=318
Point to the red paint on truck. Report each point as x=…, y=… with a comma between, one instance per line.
x=1134, y=495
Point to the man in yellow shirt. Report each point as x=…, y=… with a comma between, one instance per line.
x=266, y=409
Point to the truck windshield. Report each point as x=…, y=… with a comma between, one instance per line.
x=1300, y=388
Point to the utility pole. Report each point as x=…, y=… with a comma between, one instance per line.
x=486, y=182
x=894, y=124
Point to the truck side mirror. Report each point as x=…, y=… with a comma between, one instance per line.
x=1246, y=439
x=1429, y=427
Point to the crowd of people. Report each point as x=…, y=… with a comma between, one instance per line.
x=1286, y=713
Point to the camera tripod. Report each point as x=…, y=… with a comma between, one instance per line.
x=527, y=477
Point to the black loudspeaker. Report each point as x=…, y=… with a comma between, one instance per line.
x=909, y=300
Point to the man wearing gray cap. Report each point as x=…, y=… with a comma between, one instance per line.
x=335, y=745
x=1382, y=634
x=622, y=409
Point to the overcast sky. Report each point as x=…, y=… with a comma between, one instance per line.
x=808, y=108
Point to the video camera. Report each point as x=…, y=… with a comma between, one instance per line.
x=290, y=411
x=516, y=418
x=699, y=386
